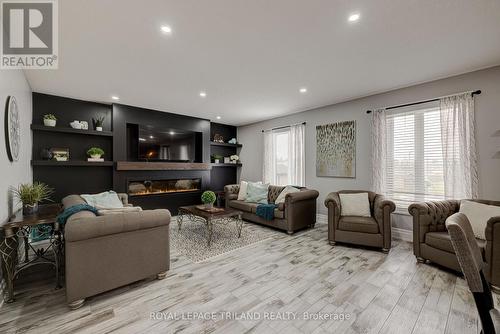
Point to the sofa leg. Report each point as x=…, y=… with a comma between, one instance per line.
x=76, y=304
x=495, y=289
x=420, y=259
x=161, y=275
x=289, y=232
x=312, y=225
x=332, y=243
x=385, y=250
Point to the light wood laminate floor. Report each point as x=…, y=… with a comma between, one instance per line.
x=296, y=274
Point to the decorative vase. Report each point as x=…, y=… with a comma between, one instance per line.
x=209, y=205
x=95, y=156
x=49, y=122
x=216, y=161
x=98, y=128
x=46, y=154
x=29, y=210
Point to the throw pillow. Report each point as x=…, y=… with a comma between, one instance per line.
x=104, y=200
x=242, y=194
x=478, y=215
x=355, y=205
x=284, y=192
x=257, y=193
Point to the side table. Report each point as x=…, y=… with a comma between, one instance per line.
x=20, y=227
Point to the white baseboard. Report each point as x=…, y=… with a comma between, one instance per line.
x=402, y=234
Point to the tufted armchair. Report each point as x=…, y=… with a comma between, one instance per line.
x=431, y=241
x=372, y=231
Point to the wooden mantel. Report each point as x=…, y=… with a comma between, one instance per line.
x=138, y=165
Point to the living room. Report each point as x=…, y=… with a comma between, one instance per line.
x=232, y=166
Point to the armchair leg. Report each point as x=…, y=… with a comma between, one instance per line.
x=289, y=232
x=76, y=304
x=495, y=288
x=161, y=275
x=385, y=250
x=420, y=259
x=332, y=243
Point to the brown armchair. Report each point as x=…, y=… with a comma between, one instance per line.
x=372, y=231
x=431, y=241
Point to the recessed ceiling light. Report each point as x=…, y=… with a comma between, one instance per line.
x=203, y=94
x=114, y=97
x=303, y=90
x=142, y=139
x=354, y=17
x=218, y=117
x=151, y=137
x=166, y=29
x=172, y=133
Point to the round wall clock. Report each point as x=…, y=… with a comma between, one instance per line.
x=12, y=129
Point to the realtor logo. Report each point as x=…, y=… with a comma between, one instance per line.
x=29, y=35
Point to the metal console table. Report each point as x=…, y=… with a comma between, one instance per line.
x=20, y=228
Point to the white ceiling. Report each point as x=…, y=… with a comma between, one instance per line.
x=252, y=56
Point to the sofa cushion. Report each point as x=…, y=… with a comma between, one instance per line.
x=442, y=241
x=358, y=224
x=243, y=206
x=277, y=212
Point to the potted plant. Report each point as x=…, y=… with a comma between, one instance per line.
x=95, y=152
x=49, y=120
x=208, y=198
x=234, y=158
x=32, y=194
x=98, y=122
x=217, y=158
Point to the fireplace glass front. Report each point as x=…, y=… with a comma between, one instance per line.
x=157, y=187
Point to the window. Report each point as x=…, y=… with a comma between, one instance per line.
x=284, y=158
x=414, y=155
x=281, y=162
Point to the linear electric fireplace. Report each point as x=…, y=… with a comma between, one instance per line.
x=158, y=187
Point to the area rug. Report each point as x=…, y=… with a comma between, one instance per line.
x=191, y=240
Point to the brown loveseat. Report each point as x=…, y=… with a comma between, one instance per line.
x=432, y=242
x=372, y=231
x=298, y=211
x=106, y=252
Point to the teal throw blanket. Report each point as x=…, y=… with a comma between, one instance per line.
x=266, y=211
x=63, y=217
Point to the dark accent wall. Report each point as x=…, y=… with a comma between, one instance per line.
x=124, y=119
x=80, y=177
x=71, y=179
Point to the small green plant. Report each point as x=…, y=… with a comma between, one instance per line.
x=32, y=194
x=98, y=121
x=217, y=157
x=50, y=117
x=208, y=197
x=95, y=151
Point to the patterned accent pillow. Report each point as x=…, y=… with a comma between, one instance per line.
x=284, y=192
x=257, y=193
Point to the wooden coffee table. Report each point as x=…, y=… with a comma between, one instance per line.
x=226, y=216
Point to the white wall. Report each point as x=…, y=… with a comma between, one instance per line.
x=13, y=82
x=487, y=123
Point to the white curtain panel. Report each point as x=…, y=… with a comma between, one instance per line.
x=268, y=172
x=297, y=155
x=379, y=151
x=459, y=146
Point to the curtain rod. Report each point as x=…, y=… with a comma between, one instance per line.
x=283, y=127
x=476, y=92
